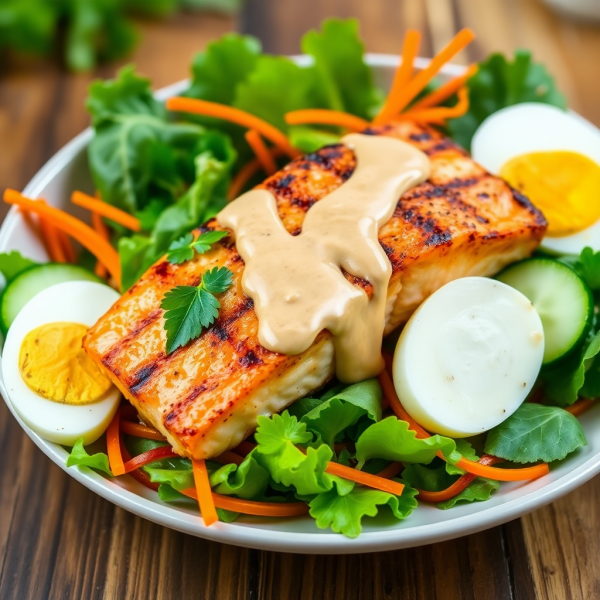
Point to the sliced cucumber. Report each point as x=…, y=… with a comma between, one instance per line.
x=28, y=283
x=563, y=300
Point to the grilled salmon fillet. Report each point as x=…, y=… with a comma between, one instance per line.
x=205, y=397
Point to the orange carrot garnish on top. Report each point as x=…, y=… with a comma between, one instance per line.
x=439, y=113
x=321, y=116
x=402, y=75
x=234, y=115
x=264, y=157
x=106, y=210
x=204, y=493
x=444, y=92
x=401, y=98
x=84, y=234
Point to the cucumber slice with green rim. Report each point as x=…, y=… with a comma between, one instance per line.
x=563, y=300
x=32, y=281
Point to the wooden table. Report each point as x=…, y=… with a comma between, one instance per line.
x=59, y=540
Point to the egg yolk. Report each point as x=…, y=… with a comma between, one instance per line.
x=564, y=185
x=54, y=365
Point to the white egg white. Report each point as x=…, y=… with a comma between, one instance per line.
x=468, y=356
x=534, y=127
x=81, y=302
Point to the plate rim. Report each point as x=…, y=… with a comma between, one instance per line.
x=322, y=542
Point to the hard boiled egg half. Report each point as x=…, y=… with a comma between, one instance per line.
x=58, y=391
x=553, y=158
x=468, y=356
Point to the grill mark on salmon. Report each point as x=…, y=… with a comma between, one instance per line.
x=205, y=397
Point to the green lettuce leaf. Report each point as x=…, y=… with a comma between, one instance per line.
x=536, y=432
x=564, y=381
x=344, y=514
x=467, y=451
x=136, y=254
x=344, y=409
x=479, y=490
x=12, y=263
x=393, y=440
x=499, y=83
x=169, y=494
x=79, y=457
x=345, y=82
x=136, y=153
x=277, y=438
x=310, y=139
x=248, y=480
x=28, y=25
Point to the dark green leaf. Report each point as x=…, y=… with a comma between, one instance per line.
x=183, y=249
x=499, y=83
x=536, y=432
x=217, y=280
x=479, y=490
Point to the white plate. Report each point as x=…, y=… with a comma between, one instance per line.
x=67, y=171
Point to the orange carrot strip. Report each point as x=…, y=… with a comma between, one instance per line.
x=84, y=234
x=444, y=92
x=264, y=157
x=142, y=431
x=468, y=465
x=235, y=115
x=391, y=470
x=580, y=406
x=408, y=92
x=106, y=210
x=102, y=230
x=245, y=174
x=402, y=75
x=113, y=445
x=50, y=235
x=204, y=493
x=250, y=507
x=323, y=116
x=458, y=486
x=67, y=247
x=373, y=481
x=439, y=113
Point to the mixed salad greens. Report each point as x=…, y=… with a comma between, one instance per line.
x=173, y=173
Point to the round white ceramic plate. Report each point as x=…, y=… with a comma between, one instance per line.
x=67, y=171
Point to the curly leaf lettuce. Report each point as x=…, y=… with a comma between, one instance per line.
x=79, y=457
x=393, y=440
x=344, y=514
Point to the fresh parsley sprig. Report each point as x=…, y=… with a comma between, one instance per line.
x=183, y=249
x=189, y=309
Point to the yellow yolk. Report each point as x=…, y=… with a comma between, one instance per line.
x=54, y=365
x=564, y=185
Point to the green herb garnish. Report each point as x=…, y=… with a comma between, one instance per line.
x=184, y=248
x=189, y=309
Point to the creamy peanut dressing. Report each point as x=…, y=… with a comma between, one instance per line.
x=297, y=283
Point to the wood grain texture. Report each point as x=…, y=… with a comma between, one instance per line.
x=58, y=540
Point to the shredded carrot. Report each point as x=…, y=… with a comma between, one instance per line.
x=458, y=486
x=142, y=431
x=444, y=92
x=204, y=493
x=322, y=116
x=439, y=113
x=250, y=507
x=148, y=457
x=235, y=115
x=402, y=98
x=264, y=157
x=470, y=466
x=113, y=445
x=246, y=173
x=138, y=475
x=391, y=470
x=402, y=76
x=67, y=247
x=52, y=241
x=229, y=457
x=84, y=234
x=102, y=230
x=373, y=481
x=580, y=406
x=106, y=210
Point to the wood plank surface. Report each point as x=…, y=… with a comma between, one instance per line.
x=59, y=540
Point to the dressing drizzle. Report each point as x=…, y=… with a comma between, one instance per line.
x=297, y=283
